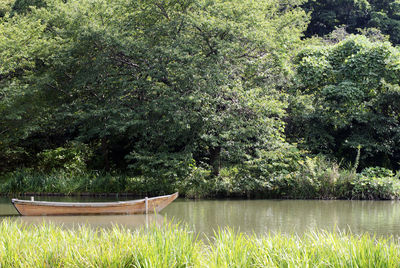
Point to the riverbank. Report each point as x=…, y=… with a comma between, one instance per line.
x=312, y=180
x=173, y=246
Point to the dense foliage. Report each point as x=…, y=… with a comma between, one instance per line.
x=326, y=15
x=160, y=88
x=348, y=96
x=207, y=97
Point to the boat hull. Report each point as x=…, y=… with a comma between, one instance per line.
x=41, y=208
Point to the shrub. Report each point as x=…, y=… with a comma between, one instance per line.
x=376, y=183
x=71, y=158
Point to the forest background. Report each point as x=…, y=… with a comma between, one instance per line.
x=211, y=98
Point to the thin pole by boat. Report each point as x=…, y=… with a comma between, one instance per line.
x=140, y=206
x=146, y=200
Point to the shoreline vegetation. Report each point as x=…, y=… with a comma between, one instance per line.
x=315, y=178
x=48, y=245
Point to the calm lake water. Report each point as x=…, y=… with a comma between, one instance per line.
x=249, y=216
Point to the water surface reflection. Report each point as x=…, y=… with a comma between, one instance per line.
x=250, y=216
x=290, y=216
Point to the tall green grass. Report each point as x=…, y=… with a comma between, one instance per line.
x=60, y=181
x=52, y=246
x=318, y=249
x=173, y=246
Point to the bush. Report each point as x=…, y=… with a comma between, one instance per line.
x=198, y=184
x=318, y=178
x=71, y=158
x=377, y=172
x=376, y=183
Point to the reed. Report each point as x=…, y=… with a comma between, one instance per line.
x=48, y=245
x=314, y=249
x=51, y=246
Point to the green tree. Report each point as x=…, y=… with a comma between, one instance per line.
x=326, y=15
x=5, y=6
x=349, y=97
x=161, y=86
x=24, y=6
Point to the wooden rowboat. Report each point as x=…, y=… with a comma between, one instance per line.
x=140, y=206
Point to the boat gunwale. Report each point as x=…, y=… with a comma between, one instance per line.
x=87, y=204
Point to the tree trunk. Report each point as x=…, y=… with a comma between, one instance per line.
x=104, y=152
x=215, y=160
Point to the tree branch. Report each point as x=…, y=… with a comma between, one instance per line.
x=163, y=11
